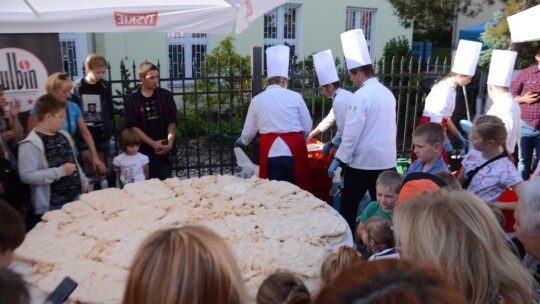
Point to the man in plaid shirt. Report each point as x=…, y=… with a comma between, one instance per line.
x=151, y=112
x=526, y=91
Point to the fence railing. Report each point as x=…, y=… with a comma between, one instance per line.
x=212, y=106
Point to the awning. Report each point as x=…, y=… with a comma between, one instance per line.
x=196, y=16
x=472, y=33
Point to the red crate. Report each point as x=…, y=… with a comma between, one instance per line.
x=508, y=197
x=318, y=172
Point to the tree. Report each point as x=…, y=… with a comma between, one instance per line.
x=428, y=14
x=225, y=79
x=497, y=35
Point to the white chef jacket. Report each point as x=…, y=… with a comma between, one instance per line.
x=441, y=101
x=369, y=135
x=276, y=110
x=508, y=110
x=340, y=100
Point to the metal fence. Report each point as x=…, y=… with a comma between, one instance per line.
x=212, y=105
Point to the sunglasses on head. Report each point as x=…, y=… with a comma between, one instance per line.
x=63, y=76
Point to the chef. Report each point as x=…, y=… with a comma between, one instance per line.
x=504, y=106
x=330, y=87
x=368, y=145
x=441, y=100
x=283, y=120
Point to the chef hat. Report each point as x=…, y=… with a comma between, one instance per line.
x=467, y=55
x=501, y=68
x=277, y=61
x=355, y=49
x=325, y=67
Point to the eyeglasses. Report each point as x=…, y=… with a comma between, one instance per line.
x=63, y=76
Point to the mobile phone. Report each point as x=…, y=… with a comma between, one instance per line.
x=61, y=293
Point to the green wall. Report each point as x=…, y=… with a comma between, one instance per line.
x=322, y=22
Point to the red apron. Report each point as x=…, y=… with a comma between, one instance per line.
x=297, y=144
x=424, y=120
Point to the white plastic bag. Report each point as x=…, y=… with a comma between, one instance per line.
x=248, y=167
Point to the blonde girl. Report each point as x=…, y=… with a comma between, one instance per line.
x=441, y=101
x=457, y=233
x=440, y=105
x=389, y=282
x=336, y=263
x=186, y=265
x=60, y=86
x=487, y=171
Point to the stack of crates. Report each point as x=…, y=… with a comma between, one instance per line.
x=321, y=184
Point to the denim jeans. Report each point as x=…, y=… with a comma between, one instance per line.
x=529, y=141
x=160, y=166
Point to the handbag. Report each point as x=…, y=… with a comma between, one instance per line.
x=469, y=175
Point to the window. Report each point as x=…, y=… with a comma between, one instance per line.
x=186, y=53
x=361, y=18
x=282, y=26
x=73, y=50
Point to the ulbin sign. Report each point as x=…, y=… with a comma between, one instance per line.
x=23, y=76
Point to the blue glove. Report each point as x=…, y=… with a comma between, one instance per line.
x=239, y=142
x=466, y=125
x=463, y=141
x=337, y=141
x=448, y=148
x=326, y=149
x=331, y=170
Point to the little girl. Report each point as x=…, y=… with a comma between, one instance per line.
x=131, y=166
x=283, y=288
x=487, y=171
x=379, y=237
x=338, y=262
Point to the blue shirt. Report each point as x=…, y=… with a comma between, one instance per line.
x=74, y=114
x=418, y=166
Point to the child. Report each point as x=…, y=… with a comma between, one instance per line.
x=283, y=288
x=13, y=289
x=47, y=160
x=190, y=264
x=131, y=166
x=388, y=186
x=60, y=86
x=12, y=233
x=94, y=96
x=379, y=237
x=428, y=140
x=486, y=171
x=338, y=262
x=441, y=100
x=449, y=179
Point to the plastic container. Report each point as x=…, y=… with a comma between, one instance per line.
x=321, y=183
x=508, y=197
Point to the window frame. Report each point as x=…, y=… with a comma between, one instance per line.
x=367, y=22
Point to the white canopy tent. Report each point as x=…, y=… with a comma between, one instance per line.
x=196, y=16
x=525, y=25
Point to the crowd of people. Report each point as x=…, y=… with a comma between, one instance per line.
x=431, y=236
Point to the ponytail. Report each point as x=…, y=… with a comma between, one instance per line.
x=299, y=295
x=505, y=151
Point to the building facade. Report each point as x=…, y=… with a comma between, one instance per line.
x=307, y=26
